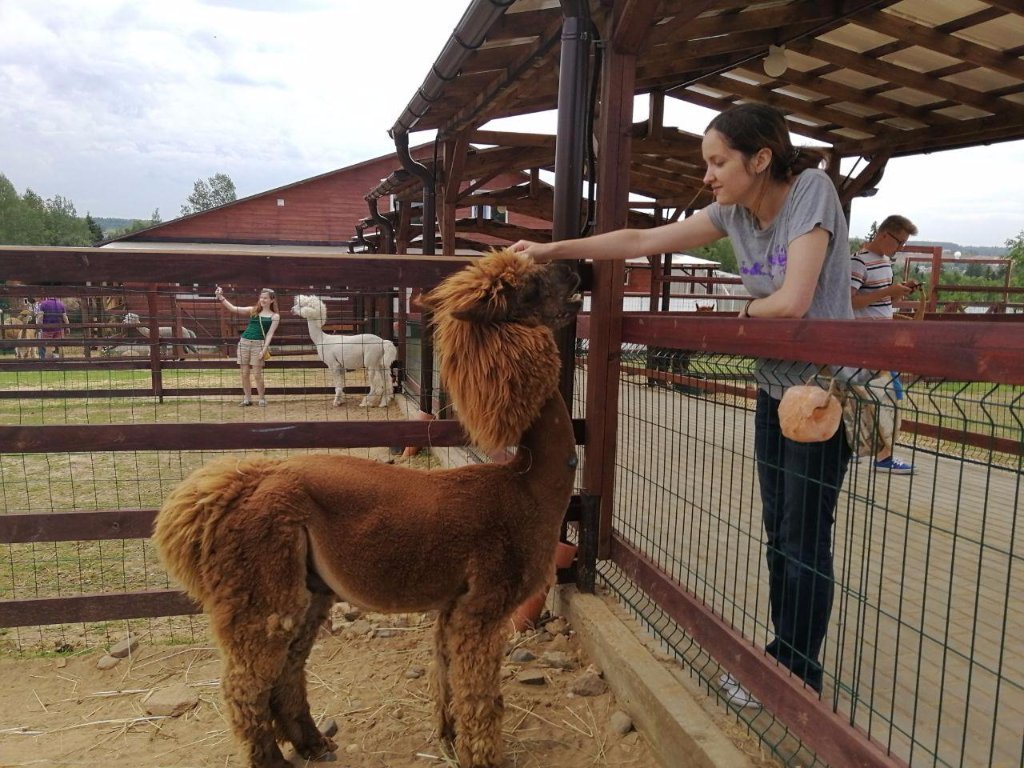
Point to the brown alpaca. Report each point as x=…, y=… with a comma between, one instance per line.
x=267, y=545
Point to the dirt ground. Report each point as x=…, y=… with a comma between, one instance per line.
x=370, y=675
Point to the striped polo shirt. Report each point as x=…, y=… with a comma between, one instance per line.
x=870, y=272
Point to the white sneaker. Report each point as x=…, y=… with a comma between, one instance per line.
x=735, y=694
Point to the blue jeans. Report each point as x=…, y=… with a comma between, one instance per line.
x=800, y=485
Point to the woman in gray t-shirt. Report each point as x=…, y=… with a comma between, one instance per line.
x=787, y=228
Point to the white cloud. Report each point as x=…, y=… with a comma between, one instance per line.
x=120, y=105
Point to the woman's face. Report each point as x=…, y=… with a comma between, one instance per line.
x=266, y=299
x=730, y=174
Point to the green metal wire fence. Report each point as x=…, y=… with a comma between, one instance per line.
x=925, y=651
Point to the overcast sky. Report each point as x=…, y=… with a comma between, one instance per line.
x=121, y=105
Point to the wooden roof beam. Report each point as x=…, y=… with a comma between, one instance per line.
x=966, y=133
x=913, y=33
x=809, y=12
x=867, y=63
x=511, y=139
x=1009, y=6
x=816, y=81
x=830, y=117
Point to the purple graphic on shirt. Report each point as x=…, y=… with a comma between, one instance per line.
x=776, y=263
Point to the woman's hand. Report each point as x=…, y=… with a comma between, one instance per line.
x=536, y=251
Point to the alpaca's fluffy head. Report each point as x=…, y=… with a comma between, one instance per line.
x=309, y=308
x=132, y=319
x=498, y=357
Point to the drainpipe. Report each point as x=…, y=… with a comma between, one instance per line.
x=425, y=175
x=360, y=239
x=387, y=231
x=569, y=153
x=468, y=35
x=572, y=119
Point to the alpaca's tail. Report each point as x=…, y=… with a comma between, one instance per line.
x=191, y=519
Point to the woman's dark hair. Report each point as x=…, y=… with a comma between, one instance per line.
x=748, y=128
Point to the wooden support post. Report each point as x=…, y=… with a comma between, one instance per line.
x=602, y=396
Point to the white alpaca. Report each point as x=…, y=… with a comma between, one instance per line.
x=166, y=331
x=348, y=353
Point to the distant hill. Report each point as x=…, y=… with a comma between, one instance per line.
x=109, y=224
x=993, y=251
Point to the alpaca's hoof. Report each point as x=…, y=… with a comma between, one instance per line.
x=316, y=751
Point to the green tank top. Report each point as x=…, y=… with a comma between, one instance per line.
x=253, y=331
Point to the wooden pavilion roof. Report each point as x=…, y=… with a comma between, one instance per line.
x=872, y=79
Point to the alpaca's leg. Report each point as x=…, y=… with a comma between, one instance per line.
x=475, y=647
x=256, y=614
x=376, y=394
x=383, y=387
x=288, y=701
x=367, y=400
x=339, y=386
x=442, y=688
x=251, y=663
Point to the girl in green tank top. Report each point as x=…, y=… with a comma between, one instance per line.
x=255, y=341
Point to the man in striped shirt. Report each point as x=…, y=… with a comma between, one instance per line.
x=872, y=290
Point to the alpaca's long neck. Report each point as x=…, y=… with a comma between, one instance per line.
x=316, y=331
x=547, y=454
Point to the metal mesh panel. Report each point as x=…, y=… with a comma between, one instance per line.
x=924, y=650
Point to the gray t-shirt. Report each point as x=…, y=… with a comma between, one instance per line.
x=762, y=254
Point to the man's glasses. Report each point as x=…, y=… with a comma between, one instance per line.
x=899, y=243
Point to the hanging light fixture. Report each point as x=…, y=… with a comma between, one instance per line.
x=775, y=62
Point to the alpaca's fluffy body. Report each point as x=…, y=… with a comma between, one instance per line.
x=14, y=328
x=349, y=353
x=165, y=331
x=266, y=545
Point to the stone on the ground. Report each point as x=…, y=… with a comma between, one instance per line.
x=360, y=627
x=329, y=727
x=415, y=672
x=107, y=662
x=559, y=643
x=557, y=660
x=589, y=683
x=557, y=626
x=531, y=677
x=521, y=655
x=620, y=723
x=171, y=701
x=125, y=647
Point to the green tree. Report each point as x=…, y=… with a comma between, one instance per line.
x=63, y=226
x=31, y=224
x=720, y=251
x=1015, y=250
x=219, y=189
x=10, y=210
x=95, y=230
